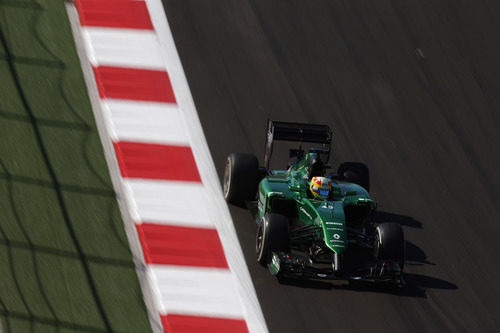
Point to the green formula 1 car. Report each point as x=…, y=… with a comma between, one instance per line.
x=311, y=224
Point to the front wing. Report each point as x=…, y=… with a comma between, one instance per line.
x=296, y=266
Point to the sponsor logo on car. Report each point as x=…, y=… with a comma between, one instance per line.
x=335, y=223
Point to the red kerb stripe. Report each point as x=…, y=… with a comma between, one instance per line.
x=185, y=246
x=134, y=84
x=155, y=161
x=114, y=13
x=194, y=324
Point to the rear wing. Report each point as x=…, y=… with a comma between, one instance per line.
x=296, y=132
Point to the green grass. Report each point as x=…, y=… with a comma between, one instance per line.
x=64, y=256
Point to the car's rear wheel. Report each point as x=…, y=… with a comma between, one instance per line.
x=390, y=243
x=272, y=235
x=356, y=173
x=240, y=178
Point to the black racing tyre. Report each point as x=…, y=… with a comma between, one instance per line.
x=272, y=235
x=356, y=173
x=240, y=178
x=390, y=243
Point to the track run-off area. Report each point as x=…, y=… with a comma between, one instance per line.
x=65, y=261
x=413, y=90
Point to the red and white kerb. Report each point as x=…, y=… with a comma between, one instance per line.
x=195, y=289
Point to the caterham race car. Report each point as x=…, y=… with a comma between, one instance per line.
x=310, y=223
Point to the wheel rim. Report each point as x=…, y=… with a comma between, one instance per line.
x=376, y=246
x=227, y=178
x=259, y=240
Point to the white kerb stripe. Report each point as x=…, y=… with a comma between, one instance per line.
x=170, y=202
x=146, y=122
x=197, y=291
x=123, y=48
x=220, y=213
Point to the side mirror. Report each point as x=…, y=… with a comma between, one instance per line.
x=334, y=176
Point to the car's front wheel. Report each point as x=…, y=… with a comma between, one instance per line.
x=390, y=243
x=272, y=235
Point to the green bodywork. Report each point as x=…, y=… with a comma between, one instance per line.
x=285, y=192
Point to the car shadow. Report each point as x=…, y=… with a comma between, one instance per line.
x=416, y=285
x=415, y=256
x=403, y=220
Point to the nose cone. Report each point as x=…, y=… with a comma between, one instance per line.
x=333, y=224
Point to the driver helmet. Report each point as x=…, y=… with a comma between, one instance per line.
x=320, y=188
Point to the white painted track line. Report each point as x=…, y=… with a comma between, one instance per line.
x=219, y=212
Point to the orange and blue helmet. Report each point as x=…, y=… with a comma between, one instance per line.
x=320, y=188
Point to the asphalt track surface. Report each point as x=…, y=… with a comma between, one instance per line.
x=410, y=88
